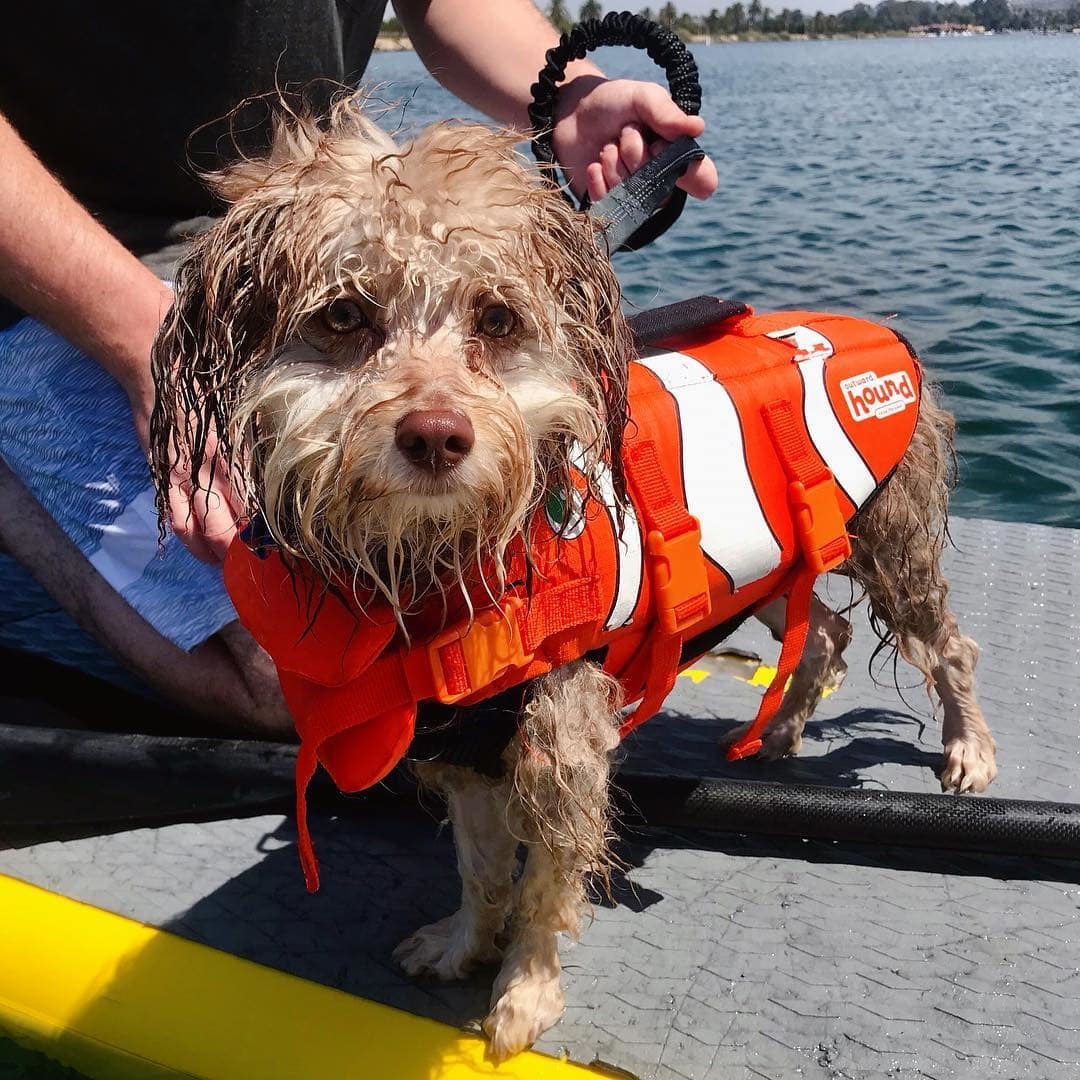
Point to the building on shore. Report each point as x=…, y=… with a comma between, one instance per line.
x=946, y=29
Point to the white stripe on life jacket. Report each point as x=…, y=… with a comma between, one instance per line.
x=829, y=438
x=631, y=558
x=735, y=533
x=812, y=350
x=628, y=548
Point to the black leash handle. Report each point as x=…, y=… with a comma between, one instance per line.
x=618, y=28
x=652, y=203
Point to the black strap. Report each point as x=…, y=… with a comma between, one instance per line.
x=475, y=737
x=640, y=212
x=685, y=317
x=646, y=204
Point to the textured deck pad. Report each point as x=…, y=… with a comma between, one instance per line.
x=731, y=957
x=1015, y=590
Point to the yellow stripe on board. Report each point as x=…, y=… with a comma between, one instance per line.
x=763, y=676
x=695, y=675
x=116, y=1000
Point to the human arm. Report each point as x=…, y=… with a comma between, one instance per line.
x=488, y=53
x=59, y=265
x=227, y=679
x=62, y=267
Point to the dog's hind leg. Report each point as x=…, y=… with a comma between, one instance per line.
x=821, y=668
x=561, y=802
x=896, y=556
x=486, y=854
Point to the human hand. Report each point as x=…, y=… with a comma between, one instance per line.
x=204, y=510
x=606, y=129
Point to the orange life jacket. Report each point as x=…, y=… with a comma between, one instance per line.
x=745, y=456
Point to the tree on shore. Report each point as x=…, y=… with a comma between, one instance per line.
x=591, y=9
x=993, y=13
x=859, y=20
x=667, y=16
x=560, y=16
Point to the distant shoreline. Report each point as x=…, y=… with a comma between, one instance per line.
x=393, y=43
x=401, y=43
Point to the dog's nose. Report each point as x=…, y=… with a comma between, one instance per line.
x=435, y=439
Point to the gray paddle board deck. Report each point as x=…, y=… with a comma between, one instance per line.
x=732, y=956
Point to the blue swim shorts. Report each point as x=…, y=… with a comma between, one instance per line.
x=66, y=432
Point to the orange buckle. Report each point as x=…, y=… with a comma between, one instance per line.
x=490, y=645
x=820, y=524
x=678, y=578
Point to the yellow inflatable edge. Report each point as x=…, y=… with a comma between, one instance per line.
x=119, y=1000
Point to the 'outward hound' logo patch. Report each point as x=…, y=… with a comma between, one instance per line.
x=871, y=395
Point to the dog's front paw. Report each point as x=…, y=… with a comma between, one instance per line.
x=523, y=1012
x=969, y=763
x=448, y=949
x=782, y=738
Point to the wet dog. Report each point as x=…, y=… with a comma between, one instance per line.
x=399, y=350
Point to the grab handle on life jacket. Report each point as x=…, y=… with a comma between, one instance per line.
x=648, y=203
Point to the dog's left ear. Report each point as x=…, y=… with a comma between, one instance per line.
x=581, y=275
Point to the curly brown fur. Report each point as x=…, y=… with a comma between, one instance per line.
x=896, y=557
x=419, y=236
x=561, y=767
x=480, y=811
x=899, y=538
x=555, y=800
x=561, y=805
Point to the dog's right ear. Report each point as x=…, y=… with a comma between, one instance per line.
x=247, y=284
x=218, y=330
x=184, y=401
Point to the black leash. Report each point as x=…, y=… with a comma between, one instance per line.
x=648, y=203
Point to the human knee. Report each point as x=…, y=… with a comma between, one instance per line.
x=239, y=686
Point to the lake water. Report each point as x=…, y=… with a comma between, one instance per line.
x=933, y=183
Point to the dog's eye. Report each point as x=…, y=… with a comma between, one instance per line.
x=496, y=320
x=344, y=317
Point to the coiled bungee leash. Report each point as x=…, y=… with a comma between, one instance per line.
x=648, y=203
